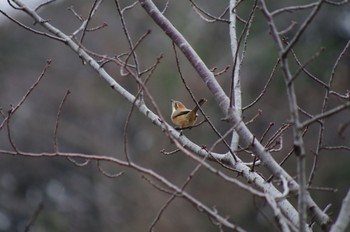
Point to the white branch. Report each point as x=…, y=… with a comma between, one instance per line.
x=343, y=220
x=236, y=92
x=231, y=113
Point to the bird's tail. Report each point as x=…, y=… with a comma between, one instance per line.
x=200, y=103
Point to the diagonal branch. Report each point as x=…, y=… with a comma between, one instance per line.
x=212, y=213
x=230, y=113
x=343, y=219
x=325, y=114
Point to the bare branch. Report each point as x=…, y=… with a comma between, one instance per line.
x=129, y=7
x=55, y=145
x=224, y=104
x=288, y=29
x=325, y=114
x=13, y=145
x=307, y=72
x=302, y=66
x=265, y=87
x=34, y=217
x=343, y=219
x=108, y=174
x=302, y=28
x=280, y=219
x=31, y=29
x=283, y=210
x=293, y=8
x=76, y=163
x=30, y=90
x=44, y=4
x=336, y=148
x=203, y=14
x=86, y=22
x=167, y=203
x=127, y=35
x=199, y=205
x=324, y=107
x=125, y=137
x=79, y=17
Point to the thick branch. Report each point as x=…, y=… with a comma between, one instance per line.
x=236, y=93
x=233, y=117
x=343, y=220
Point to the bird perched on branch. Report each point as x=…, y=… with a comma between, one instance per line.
x=183, y=117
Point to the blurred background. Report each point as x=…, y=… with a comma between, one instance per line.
x=93, y=117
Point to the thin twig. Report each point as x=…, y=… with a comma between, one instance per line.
x=30, y=90
x=34, y=217
x=76, y=163
x=323, y=109
x=44, y=4
x=167, y=203
x=129, y=7
x=288, y=29
x=140, y=91
x=198, y=204
x=203, y=14
x=303, y=66
x=31, y=29
x=265, y=87
x=138, y=42
x=266, y=131
x=93, y=9
x=169, y=152
x=302, y=28
x=325, y=114
x=293, y=8
x=106, y=173
x=325, y=189
x=55, y=145
x=13, y=145
x=128, y=37
x=317, y=80
x=341, y=147
x=79, y=17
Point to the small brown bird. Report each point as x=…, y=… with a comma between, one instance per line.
x=183, y=117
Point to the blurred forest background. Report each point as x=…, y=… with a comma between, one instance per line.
x=93, y=117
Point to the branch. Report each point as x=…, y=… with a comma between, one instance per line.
x=236, y=92
x=325, y=114
x=55, y=145
x=299, y=146
x=34, y=217
x=30, y=29
x=302, y=28
x=84, y=25
x=211, y=19
x=30, y=90
x=44, y=4
x=198, y=205
x=343, y=220
x=175, y=194
x=230, y=113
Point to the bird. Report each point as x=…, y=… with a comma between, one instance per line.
x=183, y=117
